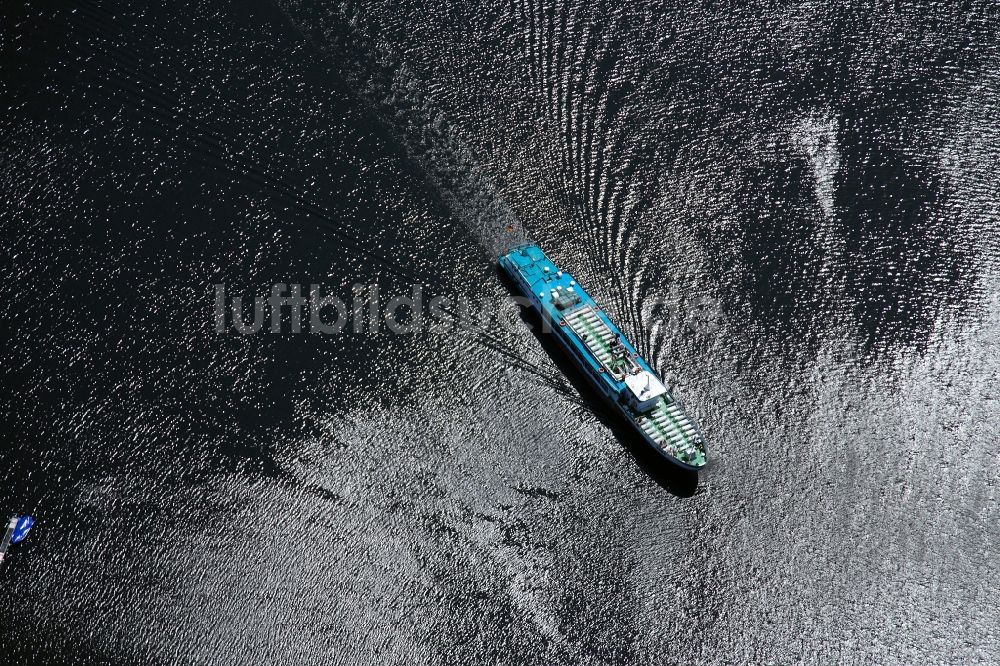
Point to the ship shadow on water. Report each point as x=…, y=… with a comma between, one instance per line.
x=670, y=477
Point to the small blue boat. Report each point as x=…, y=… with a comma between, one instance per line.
x=17, y=530
x=607, y=359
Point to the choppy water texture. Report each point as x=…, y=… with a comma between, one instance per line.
x=792, y=209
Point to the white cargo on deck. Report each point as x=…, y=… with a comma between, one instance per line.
x=645, y=390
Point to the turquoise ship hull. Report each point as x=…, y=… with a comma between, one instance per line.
x=605, y=357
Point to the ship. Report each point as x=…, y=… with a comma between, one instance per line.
x=605, y=357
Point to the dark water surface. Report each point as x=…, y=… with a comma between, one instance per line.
x=792, y=209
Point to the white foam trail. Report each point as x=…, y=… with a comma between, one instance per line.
x=816, y=137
